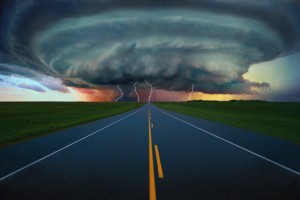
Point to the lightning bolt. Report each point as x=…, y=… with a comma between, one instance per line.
x=120, y=97
x=137, y=95
x=150, y=95
x=191, y=93
x=157, y=93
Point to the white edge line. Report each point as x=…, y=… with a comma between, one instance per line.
x=55, y=152
x=247, y=150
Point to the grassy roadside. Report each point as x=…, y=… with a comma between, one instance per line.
x=277, y=119
x=23, y=120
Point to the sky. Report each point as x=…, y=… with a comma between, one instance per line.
x=149, y=50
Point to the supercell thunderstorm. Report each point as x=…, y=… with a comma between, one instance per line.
x=171, y=44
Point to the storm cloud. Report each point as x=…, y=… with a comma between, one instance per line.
x=171, y=44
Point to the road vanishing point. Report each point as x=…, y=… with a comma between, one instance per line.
x=151, y=153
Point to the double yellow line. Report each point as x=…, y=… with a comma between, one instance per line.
x=152, y=189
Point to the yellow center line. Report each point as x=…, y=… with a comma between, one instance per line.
x=152, y=190
x=159, y=167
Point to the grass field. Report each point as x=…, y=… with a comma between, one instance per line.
x=281, y=120
x=20, y=121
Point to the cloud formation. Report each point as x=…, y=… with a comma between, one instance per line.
x=16, y=76
x=171, y=44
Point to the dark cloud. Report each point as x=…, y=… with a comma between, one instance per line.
x=53, y=84
x=31, y=87
x=172, y=44
x=76, y=83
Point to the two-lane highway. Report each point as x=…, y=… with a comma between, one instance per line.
x=151, y=153
x=207, y=160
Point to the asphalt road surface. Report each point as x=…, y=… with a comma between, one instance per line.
x=151, y=155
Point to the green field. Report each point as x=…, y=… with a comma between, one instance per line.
x=20, y=121
x=281, y=120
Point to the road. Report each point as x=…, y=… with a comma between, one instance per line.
x=151, y=155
